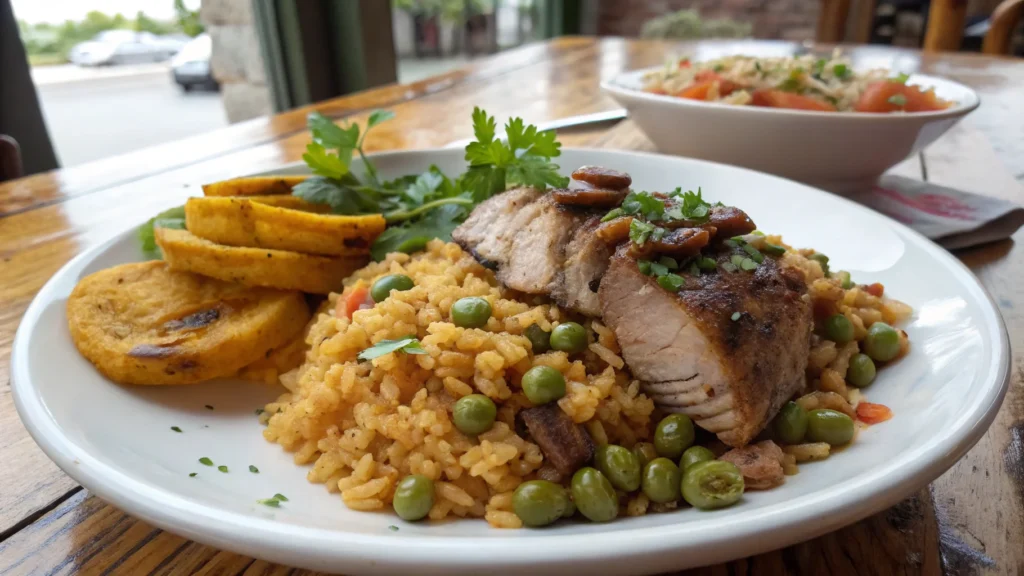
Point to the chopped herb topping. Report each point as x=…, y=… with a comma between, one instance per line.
x=735, y=316
x=898, y=100
x=729, y=267
x=644, y=266
x=259, y=411
x=748, y=265
x=274, y=501
x=254, y=469
x=757, y=66
x=640, y=231
x=409, y=345
x=658, y=269
x=206, y=461
x=773, y=249
x=176, y=429
x=393, y=528
x=223, y=468
x=719, y=67
x=208, y=407
x=755, y=254
x=706, y=264
x=841, y=71
x=668, y=263
x=193, y=474
x=612, y=215
x=900, y=78
x=643, y=204
x=671, y=282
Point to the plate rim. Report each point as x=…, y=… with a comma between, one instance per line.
x=320, y=548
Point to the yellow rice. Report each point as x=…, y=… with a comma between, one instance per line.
x=364, y=425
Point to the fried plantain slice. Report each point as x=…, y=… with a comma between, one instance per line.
x=253, y=186
x=241, y=222
x=256, y=266
x=288, y=201
x=144, y=323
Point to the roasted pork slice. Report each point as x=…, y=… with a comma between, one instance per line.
x=537, y=253
x=586, y=259
x=491, y=227
x=538, y=246
x=565, y=444
x=728, y=349
x=760, y=464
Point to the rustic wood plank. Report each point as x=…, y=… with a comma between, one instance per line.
x=978, y=502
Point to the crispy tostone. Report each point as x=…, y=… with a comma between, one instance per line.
x=256, y=266
x=144, y=323
x=241, y=222
x=253, y=186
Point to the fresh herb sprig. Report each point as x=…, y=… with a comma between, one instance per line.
x=430, y=205
x=409, y=345
x=173, y=218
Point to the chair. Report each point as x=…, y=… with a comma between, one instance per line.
x=945, y=29
x=1004, y=20
x=946, y=26
x=10, y=159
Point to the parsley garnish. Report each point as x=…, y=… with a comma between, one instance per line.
x=409, y=345
x=173, y=218
x=898, y=100
x=671, y=282
x=643, y=204
x=223, y=468
x=272, y=502
x=417, y=207
x=280, y=497
x=640, y=231
x=393, y=528
x=254, y=469
x=841, y=71
x=735, y=316
x=193, y=474
x=706, y=264
x=206, y=461
x=691, y=206
x=612, y=214
x=900, y=78
x=176, y=429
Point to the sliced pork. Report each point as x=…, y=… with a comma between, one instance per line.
x=760, y=464
x=728, y=349
x=565, y=444
x=539, y=246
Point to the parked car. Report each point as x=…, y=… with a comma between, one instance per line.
x=191, y=66
x=124, y=47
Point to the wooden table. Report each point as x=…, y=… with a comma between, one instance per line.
x=969, y=521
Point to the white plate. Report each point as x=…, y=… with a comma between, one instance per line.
x=117, y=442
x=840, y=152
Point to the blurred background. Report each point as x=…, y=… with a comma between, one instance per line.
x=112, y=76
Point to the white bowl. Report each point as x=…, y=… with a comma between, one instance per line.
x=117, y=440
x=841, y=152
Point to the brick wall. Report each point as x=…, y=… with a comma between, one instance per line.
x=786, y=19
x=236, y=61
